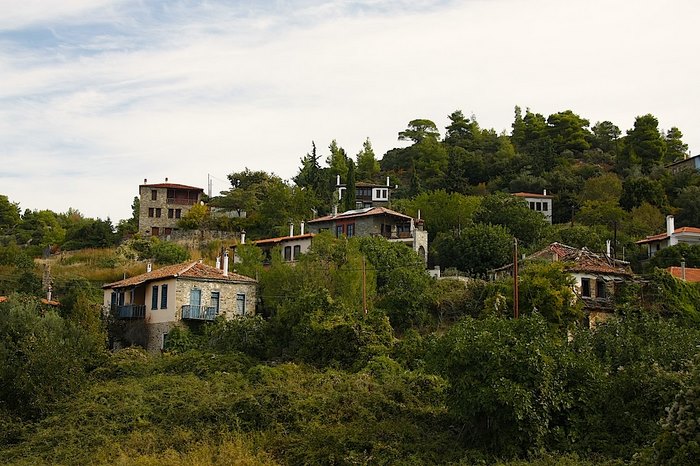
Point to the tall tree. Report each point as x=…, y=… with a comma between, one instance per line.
x=418, y=130
x=337, y=162
x=568, y=131
x=606, y=137
x=309, y=175
x=367, y=164
x=675, y=148
x=462, y=132
x=350, y=187
x=644, y=144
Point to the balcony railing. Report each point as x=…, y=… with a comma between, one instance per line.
x=198, y=312
x=131, y=311
x=179, y=201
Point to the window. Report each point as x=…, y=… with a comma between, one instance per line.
x=154, y=297
x=121, y=298
x=178, y=213
x=586, y=287
x=163, y=296
x=297, y=252
x=171, y=213
x=601, y=290
x=545, y=206
x=195, y=297
x=158, y=211
x=114, y=298
x=532, y=206
x=351, y=230
x=214, y=301
x=155, y=231
x=538, y=206
x=338, y=231
x=287, y=253
x=154, y=195
x=240, y=304
x=151, y=210
x=168, y=231
x=164, y=341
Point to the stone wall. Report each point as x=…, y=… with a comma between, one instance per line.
x=228, y=292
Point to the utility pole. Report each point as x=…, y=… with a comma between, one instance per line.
x=515, y=279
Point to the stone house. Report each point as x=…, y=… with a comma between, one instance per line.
x=671, y=237
x=597, y=277
x=376, y=221
x=144, y=308
x=163, y=204
x=689, y=163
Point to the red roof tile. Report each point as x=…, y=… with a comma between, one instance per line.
x=545, y=196
x=187, y=270
x=172, y=186
x=3, y=299
x=691, y=274
x=583, y=260
x=663, y=236
x=367, y=212
x=281, y=239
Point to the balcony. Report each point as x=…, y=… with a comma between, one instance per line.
x=190, y=312
x=180, y=201
x=131, y=311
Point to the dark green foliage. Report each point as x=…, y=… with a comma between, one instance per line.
x=673, y=297
x=546, y=288
x=43, y=358
x=689, y=202
x=350, y=193
x=165, y=252
x=644, y=145
x=514, y=214
x=247, y=335
x=91, y=234
x=641, y=189
x=475, y=249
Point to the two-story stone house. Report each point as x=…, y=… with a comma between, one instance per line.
x=376, y=221
x=163, y=204
x=149, y=305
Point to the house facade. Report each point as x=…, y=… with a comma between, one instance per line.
x=162, y=205
x=149, y=305
x=691, y=163
x=597, y=277
x=376, y=221
x=541, y=203
x=291, y=247
x=367, y=194
x=671, y=237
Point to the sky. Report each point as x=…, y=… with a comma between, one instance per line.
x=98, y=95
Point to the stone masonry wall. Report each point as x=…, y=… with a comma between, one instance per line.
x=227, y=295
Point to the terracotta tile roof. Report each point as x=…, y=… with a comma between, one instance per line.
x=583, y=260
x=663, y=236
x=3, y=299
x=545, y=196
x=366, y=212
x=281, y=239
x=50, y=303
x=172, y=186
x=691, y=274
x=186, y=269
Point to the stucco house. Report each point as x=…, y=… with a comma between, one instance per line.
x=162, y=205
x=291, y=246
x=541, y=203
x=596, y=277
x=671, y=237
x=149, y=305
x=376, y=221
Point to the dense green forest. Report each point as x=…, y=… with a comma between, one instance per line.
x=435, y=372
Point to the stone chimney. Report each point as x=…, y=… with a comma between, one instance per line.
x=301, y=228
x=225, y=263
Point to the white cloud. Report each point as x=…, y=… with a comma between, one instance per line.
x=214, y=89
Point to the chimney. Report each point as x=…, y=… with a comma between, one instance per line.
x=149, y=267
x=387, y=181
x=242, y=236
x=218, y=262
x=683, y=269
x=291, y=229
x=544, y=191
x=418, y=214
x=145, y=181
x=335, y=209
x=607, y=248
x=301, y=228
x=166, y=179
x=226, y=264
x=670, y=225
x=337, y=180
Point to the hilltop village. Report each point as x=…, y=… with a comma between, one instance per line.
x=470, y=298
